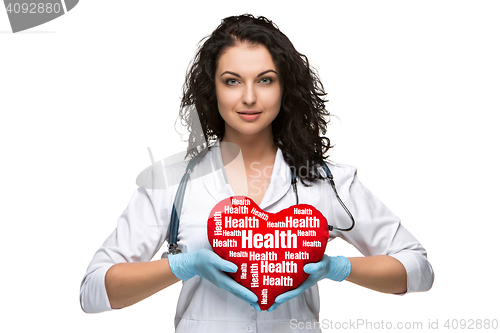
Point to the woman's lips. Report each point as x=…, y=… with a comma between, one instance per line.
x=249, y=115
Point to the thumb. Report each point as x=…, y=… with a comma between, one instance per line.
x=313, y=268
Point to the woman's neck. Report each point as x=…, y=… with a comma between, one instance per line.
x=254, y=148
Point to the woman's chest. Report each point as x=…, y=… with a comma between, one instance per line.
x=198, y=204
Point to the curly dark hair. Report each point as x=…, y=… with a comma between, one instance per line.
x=302, y=116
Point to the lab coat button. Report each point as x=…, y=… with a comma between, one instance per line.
x=248, y=328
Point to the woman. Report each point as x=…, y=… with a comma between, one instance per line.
x=249, y=87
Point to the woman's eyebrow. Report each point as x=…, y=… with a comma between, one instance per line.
x=260, y=74
x=265, y=72
x=232, y=73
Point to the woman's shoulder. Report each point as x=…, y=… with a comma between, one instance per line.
x=168, y=172
x=162, y=174
x=341, y=171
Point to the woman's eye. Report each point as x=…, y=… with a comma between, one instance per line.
x=231, y=82
x=266, y=80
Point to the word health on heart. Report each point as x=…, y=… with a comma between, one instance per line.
x=240, y=201
x=309, y=222
x=244, y=210
x=266, y=279
x=279, y=281
x=268, y=255
x=233, y=223
x=273, y=281
x=234, y=233
x=290, y=222
x=278, y=267
x=280, y=239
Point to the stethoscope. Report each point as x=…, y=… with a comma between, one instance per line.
x=181, y=190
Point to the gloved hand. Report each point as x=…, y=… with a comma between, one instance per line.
x=333, y=268
x=210, y=266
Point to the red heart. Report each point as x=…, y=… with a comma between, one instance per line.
x=270, y=250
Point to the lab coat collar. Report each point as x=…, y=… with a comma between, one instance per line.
x=217, y=184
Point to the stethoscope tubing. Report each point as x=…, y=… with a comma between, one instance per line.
x=179, y=199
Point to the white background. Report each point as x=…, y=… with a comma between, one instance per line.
x=415, y=85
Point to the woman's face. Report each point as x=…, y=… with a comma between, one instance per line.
x=248, y=90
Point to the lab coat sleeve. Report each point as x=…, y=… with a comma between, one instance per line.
x=139, y=234
x=378, y=231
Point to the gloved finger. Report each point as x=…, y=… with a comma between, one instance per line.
x=273, y=307
x=223, y=265
x=308, y=283
x=256, y=306
x=313, y=268
x=238, y=290
x=224, y=281
x=285, y=297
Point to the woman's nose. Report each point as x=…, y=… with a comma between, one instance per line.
x=249, y=96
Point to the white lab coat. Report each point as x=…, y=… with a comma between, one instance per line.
x=202, y=307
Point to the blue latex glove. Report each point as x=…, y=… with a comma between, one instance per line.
x=210, y=266
x=333, y=268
